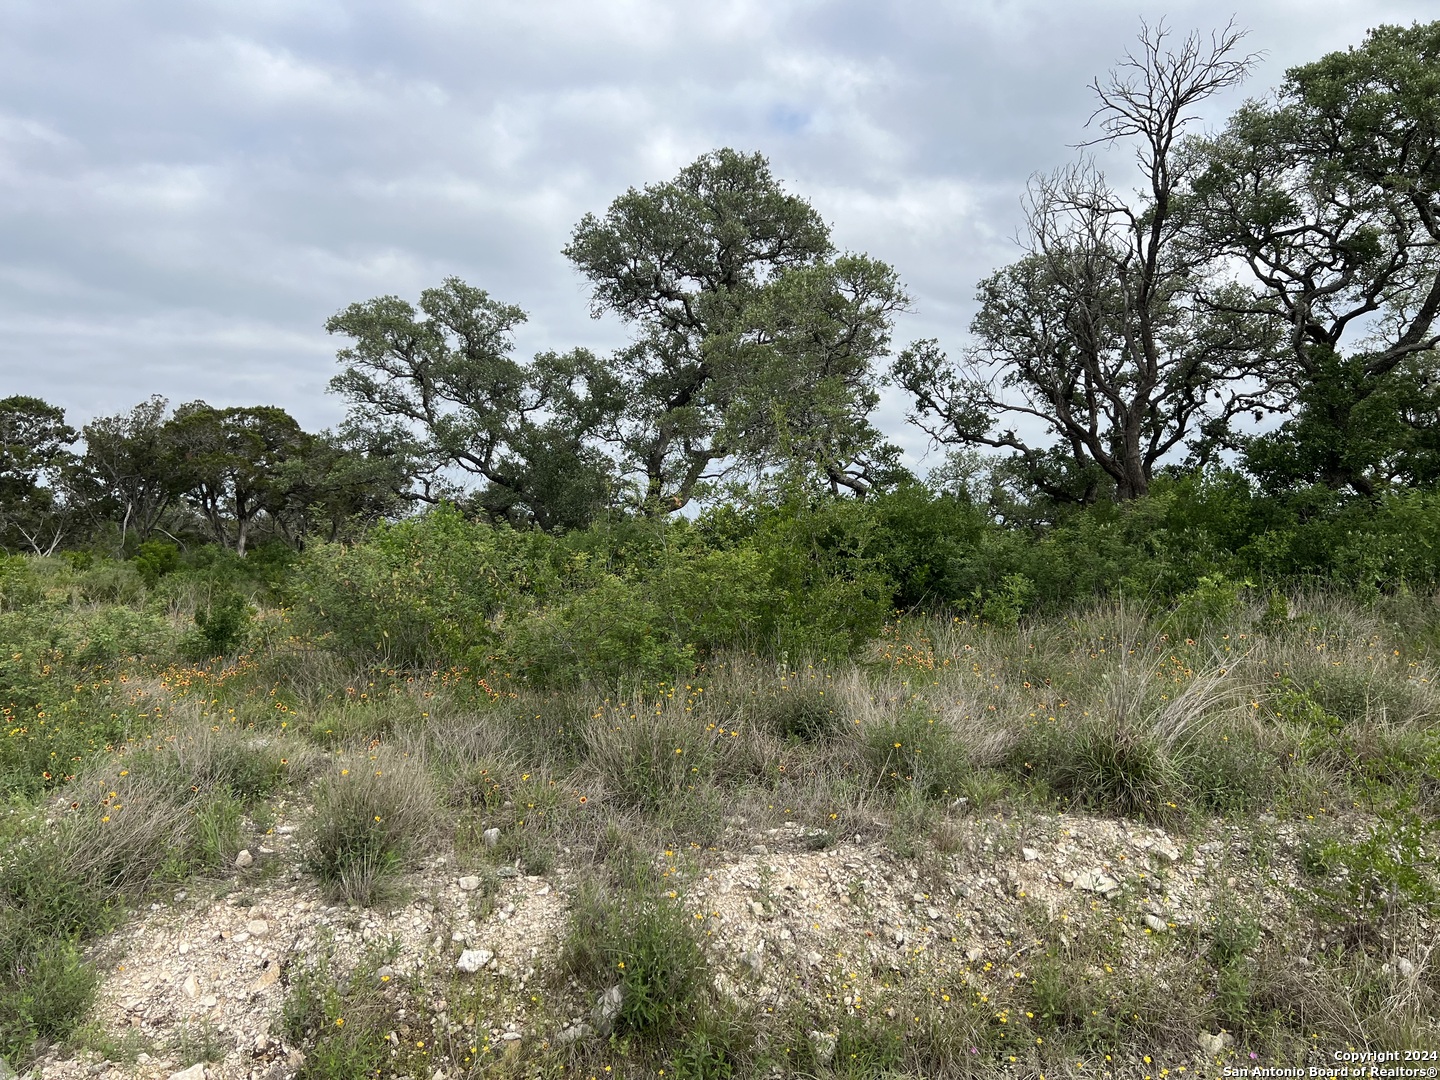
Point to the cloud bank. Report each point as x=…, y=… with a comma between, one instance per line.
x=188, y=190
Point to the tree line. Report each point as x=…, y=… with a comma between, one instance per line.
x=1267, y=298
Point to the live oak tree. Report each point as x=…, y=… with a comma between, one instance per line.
x=34, y=462
x=439, y=388
x=230, y=464
x=754, y=352
x=754, y=342
x=1105, y=349
x=1329, y=193
x=131, y=463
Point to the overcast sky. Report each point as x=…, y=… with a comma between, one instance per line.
x=188, y=190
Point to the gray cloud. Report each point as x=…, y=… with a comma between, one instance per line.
x=188, y=190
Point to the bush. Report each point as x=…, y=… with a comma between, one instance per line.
x=419, y=591
x=111, y=582
x=155, y=559
x=203, y=758
x=371, y=815
x=1367, y=884
x=914, y=750
x=222, y=625
x=645, y=945
x=46, y=990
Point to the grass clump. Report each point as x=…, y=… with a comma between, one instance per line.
x=66, y=883
x=1113, y=767
x=341, y=1018
x=644, y=945
x=632, y=944
x=797, y=708
x=372, y=814
x=912, y=750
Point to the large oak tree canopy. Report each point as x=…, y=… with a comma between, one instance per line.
x=753, y=351
x=1102, y=350
x=754, y=342
x=1329, y=194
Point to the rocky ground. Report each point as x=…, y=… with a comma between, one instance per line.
x=786, y=912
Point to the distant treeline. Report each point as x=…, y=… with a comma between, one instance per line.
x=1106, y=430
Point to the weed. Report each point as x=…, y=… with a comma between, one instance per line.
x=914, y=750
x=370, y=816
x=1367, y=884
x=645, y=945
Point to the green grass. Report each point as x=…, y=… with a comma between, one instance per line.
x=1315, y=718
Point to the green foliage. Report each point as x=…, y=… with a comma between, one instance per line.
x=223, y=624
x=46, y=990
x=419, y=591
x=798, y=711
x=155, y=559
x=1367, y=883
x=1233, y=931
x=370, y=816
x=1004, y=605
x=1212, y=601
x=1105, y=764
x=340, y=1022
x=915, y=751
x=646, y=946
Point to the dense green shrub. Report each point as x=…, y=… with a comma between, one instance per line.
x=221, y=625
x=419, y=591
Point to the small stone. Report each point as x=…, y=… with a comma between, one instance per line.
x=244, y=859
x=257, y=928
x=510, y=1036
x=1097, y=882
x=1157, y=924
x=1029, y=854
x=469, y=884
x=607, y=1008
x=491, y=837
x=823, y=1044
x=754, y=959
x=183, y=948
x=507, y=872
x=757, y=908
x=472, y=960
x=571, y=1034
x=1213, y=1045
x=284, y=830
x=269, y=977
x=1405, y=967
x=191, y=987
x=194, y=1072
